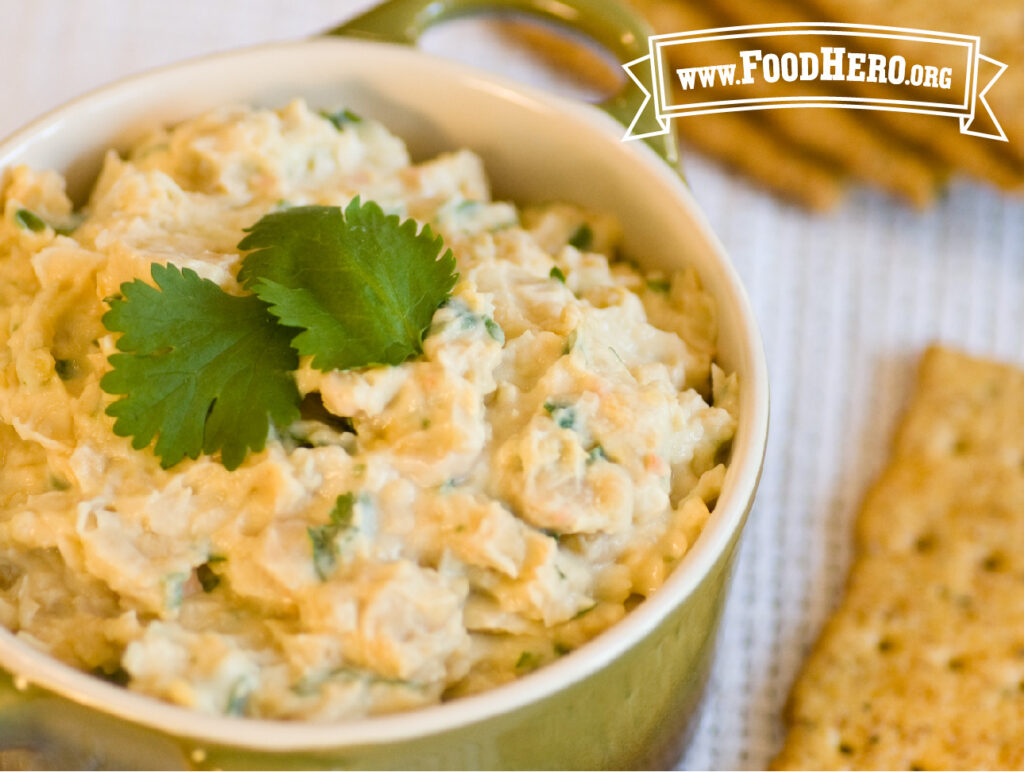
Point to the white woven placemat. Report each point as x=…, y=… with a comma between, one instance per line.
x=846, y=304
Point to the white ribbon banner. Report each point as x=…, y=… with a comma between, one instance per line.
x=851, y=66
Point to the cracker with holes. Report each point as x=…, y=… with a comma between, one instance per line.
x=922, y=666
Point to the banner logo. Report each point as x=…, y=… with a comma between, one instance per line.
x=852, y=66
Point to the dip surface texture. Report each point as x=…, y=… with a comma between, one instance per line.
x=426, y=530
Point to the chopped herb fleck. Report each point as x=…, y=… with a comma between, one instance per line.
x=556, y=273
x=494, y=330
x=582, y=238
x=596, y=453
x=341, y=118
x=208, y=578
x=501, y=226
x=324, y=550
x=467, y=320
x=551, y=534
x=238, y=699
x=561, y=649
x=658, y=285
x=570, y=342
x=118, y=676
x=308, y=685
x=563, y=415
x=30, y=220
x=527, y=661
x=66, y=368
x=341, y=514
x=324, y=537
x=584, y=611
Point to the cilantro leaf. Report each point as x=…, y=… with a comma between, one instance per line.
x=361, y=285
x=205, y=370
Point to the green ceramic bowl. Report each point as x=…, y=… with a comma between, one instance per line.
x=626, y=698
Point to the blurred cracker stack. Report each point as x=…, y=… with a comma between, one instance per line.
x=1000, y=26
x=812, y=155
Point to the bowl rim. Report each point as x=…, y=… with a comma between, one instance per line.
x=31, y=666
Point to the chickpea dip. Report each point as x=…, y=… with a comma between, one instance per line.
x=513, y=491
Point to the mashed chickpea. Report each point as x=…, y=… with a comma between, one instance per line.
x=510, y=493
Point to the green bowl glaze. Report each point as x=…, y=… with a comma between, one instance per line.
x=624, y=699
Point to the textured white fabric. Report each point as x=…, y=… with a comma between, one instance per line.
x=846, y=303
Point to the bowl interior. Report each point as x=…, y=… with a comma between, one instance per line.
x=535, y=147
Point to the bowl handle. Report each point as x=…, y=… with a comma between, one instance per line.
x=608, y=22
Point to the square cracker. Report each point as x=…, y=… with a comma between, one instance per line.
x=922, y=666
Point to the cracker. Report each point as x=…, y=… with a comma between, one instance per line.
x=741, y=142
x=997, y=22
x=922, y=666
x=937, y=137
x=835, y=139
x=565, y=53
x=743, y=145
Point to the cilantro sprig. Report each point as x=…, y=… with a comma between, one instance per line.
x=369, y=308
x=204, y=371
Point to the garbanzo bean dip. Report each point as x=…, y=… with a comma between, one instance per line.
x=511, y=492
